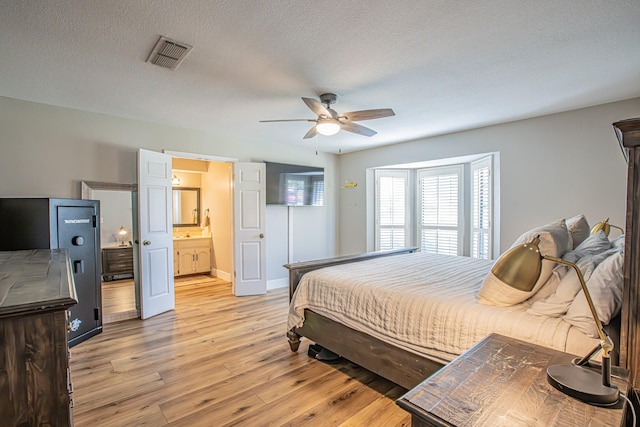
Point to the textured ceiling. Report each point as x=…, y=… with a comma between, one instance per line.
x=443, y=66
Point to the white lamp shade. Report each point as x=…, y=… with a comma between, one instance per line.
x=327, y=127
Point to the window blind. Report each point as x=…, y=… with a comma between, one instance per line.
x=481, y=209
x=440, y=209
x=391, y=209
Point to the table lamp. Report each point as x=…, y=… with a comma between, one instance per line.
x=122, y=232
x=520, y=268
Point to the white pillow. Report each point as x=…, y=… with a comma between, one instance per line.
x=594, y=244
x=605, y=288
x=598, y=258
x=557, y=304
x=553, y=242
x=578, y=229
x=549, y=286
x=618, y=241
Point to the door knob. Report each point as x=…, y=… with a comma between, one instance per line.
x=146, y=242
x=261, y=236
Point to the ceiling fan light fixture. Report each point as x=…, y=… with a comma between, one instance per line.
x=327, y=127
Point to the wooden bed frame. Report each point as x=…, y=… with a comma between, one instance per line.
x=408, y=369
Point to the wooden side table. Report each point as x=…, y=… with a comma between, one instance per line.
x=117, y=262
x=502, y=382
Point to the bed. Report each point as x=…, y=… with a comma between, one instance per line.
x=405, y=349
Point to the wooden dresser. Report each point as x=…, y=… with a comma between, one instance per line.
x=36, y=289
x=117, y=263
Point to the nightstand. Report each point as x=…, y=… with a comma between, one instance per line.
x=117, y=262
x=502, y=382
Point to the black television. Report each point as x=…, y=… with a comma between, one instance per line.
x=294, y=185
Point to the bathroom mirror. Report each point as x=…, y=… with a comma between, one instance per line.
x=186, y=207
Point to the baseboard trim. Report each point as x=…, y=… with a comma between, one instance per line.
x=278, y=283
x=221, y=275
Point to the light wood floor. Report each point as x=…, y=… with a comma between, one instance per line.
x=220, y=360
x=118, y=301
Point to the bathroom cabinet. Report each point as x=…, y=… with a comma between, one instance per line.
x=192, y=255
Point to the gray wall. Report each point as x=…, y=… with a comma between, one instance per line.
x=47, y=151
x=551, y=167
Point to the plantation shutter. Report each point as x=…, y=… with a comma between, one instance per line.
x=481, y=209
x=440, y=210
x=391, y=209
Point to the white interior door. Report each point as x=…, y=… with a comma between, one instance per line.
x=249, y=239
x=155, y=241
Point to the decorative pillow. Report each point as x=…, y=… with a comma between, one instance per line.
x=557, y=304
x=605, y=288
x=578, y=229
x=594, y=244
x=553, y=242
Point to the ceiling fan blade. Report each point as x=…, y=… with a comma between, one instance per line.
x=312, y=132
x=356, y=116
x=316, y=107
x=356, y=128
x=287, y=120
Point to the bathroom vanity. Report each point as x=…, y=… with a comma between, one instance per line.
x=191, y=255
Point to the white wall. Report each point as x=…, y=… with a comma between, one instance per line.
x=295, y=233
x=551, y=167
x=115, y=212
x=47, y=151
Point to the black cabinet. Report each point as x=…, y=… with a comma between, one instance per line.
x=47, y=223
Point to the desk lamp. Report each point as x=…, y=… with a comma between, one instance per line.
x=520, y=268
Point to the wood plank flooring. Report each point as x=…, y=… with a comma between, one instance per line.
x=219, y=360
x=118, y=301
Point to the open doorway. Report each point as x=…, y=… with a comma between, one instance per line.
x=237, y=250
x=118, y=225
x=202, y=211
x=203, y=249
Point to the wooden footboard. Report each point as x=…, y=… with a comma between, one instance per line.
x=400, y=366
x=298, y=269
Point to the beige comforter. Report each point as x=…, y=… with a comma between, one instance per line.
x=425, y=303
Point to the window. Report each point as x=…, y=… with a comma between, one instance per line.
x=392, y=209
x=451, y=211
x=440, y=210
x=481, y=209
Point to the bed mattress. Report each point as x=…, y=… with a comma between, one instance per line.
x=424, y=303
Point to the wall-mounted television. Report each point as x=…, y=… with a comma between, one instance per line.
x=294, y=185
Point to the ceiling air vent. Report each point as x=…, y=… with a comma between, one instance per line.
x=169, y=53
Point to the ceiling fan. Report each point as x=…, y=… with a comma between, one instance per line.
x=329, y=122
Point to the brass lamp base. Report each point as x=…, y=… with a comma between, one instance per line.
x=582, y=383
